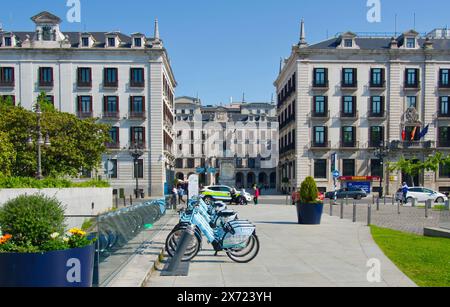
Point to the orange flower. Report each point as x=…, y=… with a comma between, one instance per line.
x=5, y=239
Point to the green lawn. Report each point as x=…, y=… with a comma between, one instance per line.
x=425, y=260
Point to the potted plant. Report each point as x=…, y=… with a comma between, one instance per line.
x=309, y=207
x=35, y=251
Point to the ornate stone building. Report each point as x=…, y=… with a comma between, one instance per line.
x=122, y=80
x=243, y=134
x=353, y=94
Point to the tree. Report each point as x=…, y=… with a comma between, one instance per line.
x=414, y=167
x=75, y=144
x=7, y=155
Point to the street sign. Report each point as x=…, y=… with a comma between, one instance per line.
x=333, y=162
x=336, y=174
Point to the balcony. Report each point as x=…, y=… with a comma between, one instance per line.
x=138, y=144
x=440, y=115
x=349, y=86
x=43, y=83
x=7, y=83
x=349, y=145
x=376, y=116
x=320, y=86
x=349, y=116
x=113, y=84
x=376, y=144
x=444, y=86
x=443, y=144
x=136, y=84
x=319, y=116
x=412, y=86
x=321, y=146
x=378, y=86
x=137, y=116
x=84, y=115
x=84, y=84
x=113, y=145
x=111, y=115
x=287, y=148
x=418, y=144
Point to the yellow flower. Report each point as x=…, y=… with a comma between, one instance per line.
x=77, y=231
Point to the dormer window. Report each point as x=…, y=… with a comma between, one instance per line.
x=111, y=41
x=348, y=43
x=85, y=42
x=8, y=41
x=411, y=43
x=46, y=33
x=138, y=42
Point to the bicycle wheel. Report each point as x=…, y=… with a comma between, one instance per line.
x=245, y=257
x=175, y=235
x=172, y=242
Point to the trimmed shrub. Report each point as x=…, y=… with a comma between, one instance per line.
x=308, y=191
x=47, y=183
x=32, y=219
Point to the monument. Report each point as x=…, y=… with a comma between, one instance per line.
x=227, y=172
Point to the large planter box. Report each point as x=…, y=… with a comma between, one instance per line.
x=309, y=214
x=69, y=268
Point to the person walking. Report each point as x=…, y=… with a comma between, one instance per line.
x=180, y=195
x=256, y=196
x=405, y=190
x=174, y=197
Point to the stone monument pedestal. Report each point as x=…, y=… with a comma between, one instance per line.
x=227, y=172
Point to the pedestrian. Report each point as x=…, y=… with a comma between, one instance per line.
x=180, y=195
x=174, y=196
x=405, y=190
x=256, y=196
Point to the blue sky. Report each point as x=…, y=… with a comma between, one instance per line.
x=222, y=48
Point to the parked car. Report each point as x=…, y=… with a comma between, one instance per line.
x=224, y=193
x=422, y=195
x=347, y=193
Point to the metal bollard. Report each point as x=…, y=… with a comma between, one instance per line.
x=369, y=215
x=393, y=201
x=183, y=244
x=342, y=210
x=385, y=200
x=414, y=202
x=354, y=212
x=131, y=200
x=346, y=200
x=428, y=205
x=331, y=207
x=447, y=205
x=378, y=204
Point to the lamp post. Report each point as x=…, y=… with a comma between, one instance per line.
x=40, y=141
x=381, y=153
x=136, y=152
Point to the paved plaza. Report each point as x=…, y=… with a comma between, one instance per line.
x=335, y=253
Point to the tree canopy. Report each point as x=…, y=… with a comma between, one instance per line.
x=76, y=144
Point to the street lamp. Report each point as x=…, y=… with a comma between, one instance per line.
x=136, y=152
x=381, y=153
x=40, y=141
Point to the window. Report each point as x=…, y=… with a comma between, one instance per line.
x=138, y=42
x=444, y=106
x=8, y=41
x=137, y=105
x=320, y=169
x=377, y=77
x=114, y=138
x=111, y=106
x=114, y=168
x=444, y=136
x=348, y=136
x=137, y=77
x=348, y=43
x=111, y=77
x=376, y=168
x=6, y=76
x=320, y=77
x=444, y=171
x=179, y=163
x=348, y=106
x=190, y=163
x=251, y=163
x=45, y=76
x=444, y=80
x=84, y=106
x=411, y=102
x=348, y=168
x=376, y=136
x=84, y=77
x=9, y=99
x=46, y=33
x=320, y=106
x=50, y=99
x=320, y=136
x=138, y=136
x=191, y=151
x=349, y=77
x=85, y=41
x=412, y=78
x=377, y=106
x=411, y=43
x=111, y=41
x=138, y=169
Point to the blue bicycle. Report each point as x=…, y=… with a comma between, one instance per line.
x=237, y=238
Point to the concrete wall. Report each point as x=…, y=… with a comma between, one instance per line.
x=78, y=201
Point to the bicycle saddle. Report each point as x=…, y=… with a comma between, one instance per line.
x=226, y=213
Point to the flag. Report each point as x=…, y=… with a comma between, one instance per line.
x=424, y=132
x=413, y=134
x=404, y=135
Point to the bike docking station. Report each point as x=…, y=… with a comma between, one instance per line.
x=175, y=266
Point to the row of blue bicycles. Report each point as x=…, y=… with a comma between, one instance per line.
x=220, y=226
